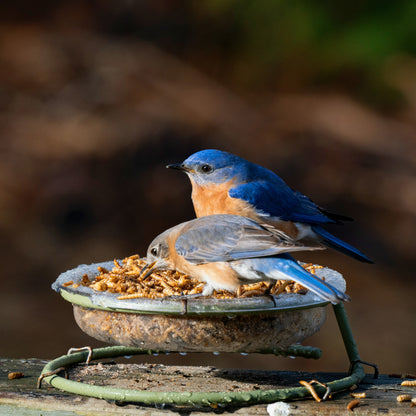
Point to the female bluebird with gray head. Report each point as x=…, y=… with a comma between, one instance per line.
x=223, y=183
x=225, y=251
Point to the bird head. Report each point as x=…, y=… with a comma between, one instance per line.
x=213, y=166
x=157, y=257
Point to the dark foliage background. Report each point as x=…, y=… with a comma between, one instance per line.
x=96, y=97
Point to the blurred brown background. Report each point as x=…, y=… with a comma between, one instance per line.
x=97, y=97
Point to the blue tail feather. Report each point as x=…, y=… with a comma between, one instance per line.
x=296, y=272
x=331, y=241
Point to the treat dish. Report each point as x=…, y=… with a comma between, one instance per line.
x=252, y=324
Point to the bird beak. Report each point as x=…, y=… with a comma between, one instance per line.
x=178, y=166
x=150, y=268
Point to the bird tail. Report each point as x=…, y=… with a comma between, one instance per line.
x=314, y=283
x=331, y=241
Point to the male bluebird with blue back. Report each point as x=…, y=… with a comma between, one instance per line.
x=225, y=251
x=223, y=183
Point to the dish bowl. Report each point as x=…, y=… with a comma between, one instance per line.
x=206, y=324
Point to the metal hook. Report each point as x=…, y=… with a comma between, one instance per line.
x=89, y=349
x=354, y=362
x=313, y=392
x=51, y=373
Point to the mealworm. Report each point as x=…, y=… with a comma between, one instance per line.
x=131, y=296
x=311, y=389
x=254, y=286
x=14, y=375
x=249, y=293
x=409, y=383
x=358, y=395
x=404, y=398
x=353, y=404
x=123, y=278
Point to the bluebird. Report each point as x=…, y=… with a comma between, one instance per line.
x=225, y=251
x=223, y=183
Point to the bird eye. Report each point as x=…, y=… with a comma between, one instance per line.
x=206, y=168
x=153, y=251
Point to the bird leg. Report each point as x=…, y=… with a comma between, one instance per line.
x=268, y=289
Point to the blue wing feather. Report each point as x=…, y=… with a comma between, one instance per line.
x=277, y=199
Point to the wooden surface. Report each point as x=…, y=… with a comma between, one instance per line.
x=21, y=397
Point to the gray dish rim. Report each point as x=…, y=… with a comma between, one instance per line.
x=89, y=298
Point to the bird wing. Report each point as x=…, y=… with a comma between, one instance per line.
x=273, y=197
x=229, y=237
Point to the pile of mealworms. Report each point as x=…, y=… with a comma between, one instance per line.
x=124, y=278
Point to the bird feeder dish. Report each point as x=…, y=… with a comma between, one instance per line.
x=195, y=325
x=99, y=315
